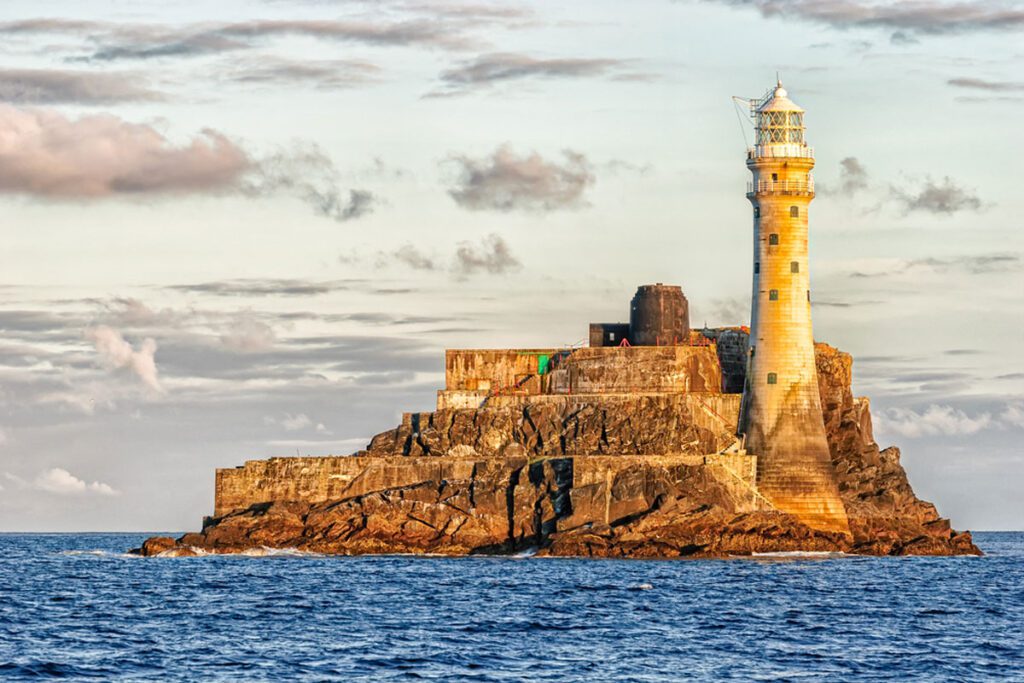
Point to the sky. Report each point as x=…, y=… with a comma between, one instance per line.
x=236, y=230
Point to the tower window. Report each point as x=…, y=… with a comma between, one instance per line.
x=794, y=212
x=775, y=177
x=773, y=238
x=773, y=378
x=794, y=266
x=773, y=295
x=808, y=295
x=757, y=267
x=757, y=212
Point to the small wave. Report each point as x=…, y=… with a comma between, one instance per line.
x=642, y=587
x=264, y=551
x=526, y=552
x=799, y=554
x=98, y=553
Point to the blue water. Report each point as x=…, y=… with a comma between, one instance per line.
x=72, y=606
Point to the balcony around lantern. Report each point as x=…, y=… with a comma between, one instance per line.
x=780, y=151
x=783, y=187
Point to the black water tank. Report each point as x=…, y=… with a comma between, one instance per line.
x=659, y=315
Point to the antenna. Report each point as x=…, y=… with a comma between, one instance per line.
x=739, y=119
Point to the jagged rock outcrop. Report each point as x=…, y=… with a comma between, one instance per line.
x=647, y=425
x=608, y=479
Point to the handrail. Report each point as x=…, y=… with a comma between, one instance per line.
x=781, y=186
x=781, y=150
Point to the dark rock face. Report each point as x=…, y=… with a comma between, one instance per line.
x=538, y=482
x=648, y=425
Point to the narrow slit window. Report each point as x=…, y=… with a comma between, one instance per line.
x=808, y=295
x=757, y=267
x=773, y=378
x=757, y=212
x=773, y=238
x=794, y=266
x=773, y=295
x=794, y=212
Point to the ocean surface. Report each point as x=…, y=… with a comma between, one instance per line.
x=74, y=606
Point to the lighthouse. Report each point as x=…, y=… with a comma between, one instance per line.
x=780, y=417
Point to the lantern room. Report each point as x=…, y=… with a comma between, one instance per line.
x=778, y=120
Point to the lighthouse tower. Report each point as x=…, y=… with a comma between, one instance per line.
x=781, y=416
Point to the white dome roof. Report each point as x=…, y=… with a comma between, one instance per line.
x=780, y=101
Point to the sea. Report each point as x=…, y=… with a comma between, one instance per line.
x=77, y=607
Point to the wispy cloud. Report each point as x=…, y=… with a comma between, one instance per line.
x=990, y=86
x=247, y=334
x=943, y=197
x=414, y=257
x=267, y=287
x=116, y=353
x=492, y=256
x=114, y=41
x=506, y=181
x=972, y=264
x=853, y=177
x=487, y=70
x=921, y=16
x=323, y=74
x=49, y=86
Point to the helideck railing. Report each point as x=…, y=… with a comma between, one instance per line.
x=791, y=187
x=780, y=151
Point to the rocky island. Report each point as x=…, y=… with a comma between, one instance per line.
x=601, y=451
x=654, y=440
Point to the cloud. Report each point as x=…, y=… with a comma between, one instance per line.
x=247, y=334
x=268, y=287
x=42, y=86
x=903, y=38
x=853, y=177
x=411, y=256
x=324, y=75
x=295, y=423
x=936, y=420
x=60, y=481
x=3, y=437
x=1013, y=415
x=991, y=86
x=729, y=311
x=116, y=354
x=945, y=198
x=332, y=204
x=492, y=256
x=44, y=153
x=944, y=420
x=138, y=41
x=978, y=264
x=921, y=16
x=504, y=181
x=305, y=171
x=487, y=70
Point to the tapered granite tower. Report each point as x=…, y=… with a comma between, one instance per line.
x=781, y=417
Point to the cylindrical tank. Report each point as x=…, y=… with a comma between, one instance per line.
x=659, y=315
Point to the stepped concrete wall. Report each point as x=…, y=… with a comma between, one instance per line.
x=317, y=480
x=602, y=370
